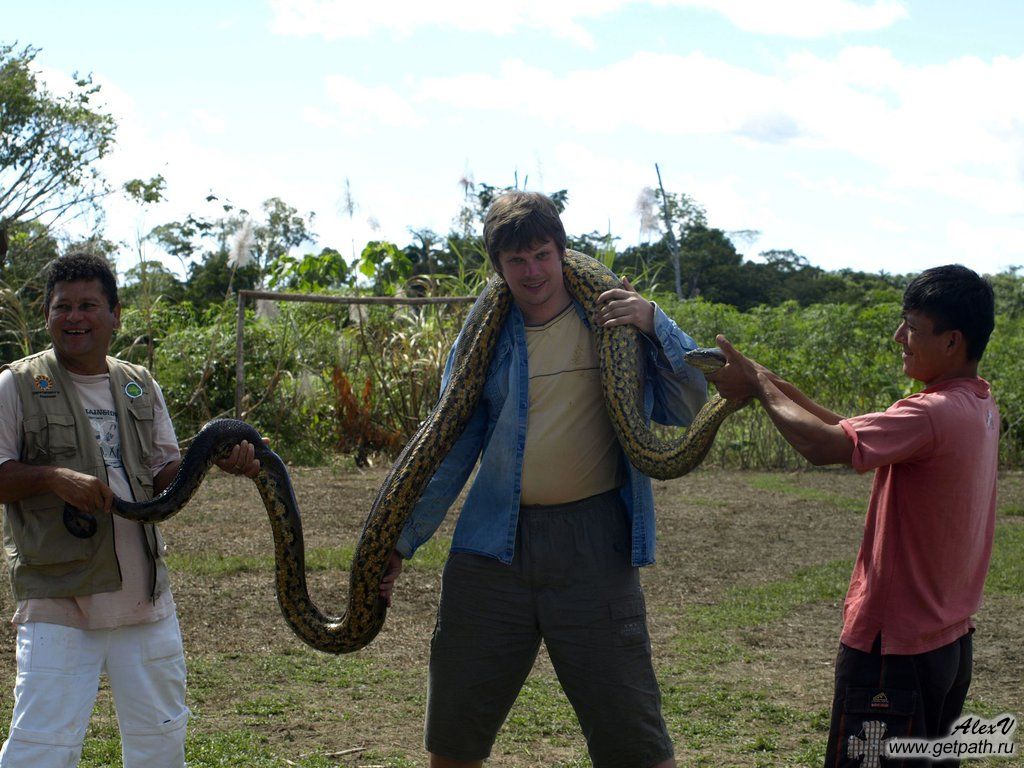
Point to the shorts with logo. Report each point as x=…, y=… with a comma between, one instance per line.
x=876, y=697
x=571, y=585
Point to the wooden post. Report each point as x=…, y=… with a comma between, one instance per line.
x=239, y=356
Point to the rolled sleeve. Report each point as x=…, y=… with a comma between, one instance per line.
x=679, y=389
x=900, y=434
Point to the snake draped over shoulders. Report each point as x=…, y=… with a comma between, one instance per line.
x=621, y=377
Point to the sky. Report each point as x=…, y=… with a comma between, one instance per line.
x=877, y=135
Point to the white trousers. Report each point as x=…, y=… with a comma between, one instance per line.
x=58, y=679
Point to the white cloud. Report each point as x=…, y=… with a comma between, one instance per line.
x=210, y=123
x=317, y=117
x=662, y=93
x=335, y=19
x=804, y=18
x=1002, y=244
x=951, y=126
x=359, y=106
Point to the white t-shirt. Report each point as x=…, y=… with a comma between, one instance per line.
x=131, y=604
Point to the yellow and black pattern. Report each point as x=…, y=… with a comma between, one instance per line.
x=619, y=353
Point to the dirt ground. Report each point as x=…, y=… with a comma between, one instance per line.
x=718, y=532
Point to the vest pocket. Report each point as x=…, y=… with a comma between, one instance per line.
x=144, y=477
x=141, y=410
x=49, y=435
x=41, y=537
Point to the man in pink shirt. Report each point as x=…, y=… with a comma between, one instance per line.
x=905, y=653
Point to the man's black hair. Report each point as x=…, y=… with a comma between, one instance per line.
x=82, y=266
x=955, y=298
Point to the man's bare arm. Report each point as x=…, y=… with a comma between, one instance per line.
x=817, y=440
x=811, y=429
x=21, y=481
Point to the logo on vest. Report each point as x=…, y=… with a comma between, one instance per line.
x=133, y=389
x=880, y=700
x=42, y=385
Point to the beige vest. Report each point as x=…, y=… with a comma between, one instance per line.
x=44, y=559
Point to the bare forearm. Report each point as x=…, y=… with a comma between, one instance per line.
x=22, y=481
x=802, y=400
x=810, y=430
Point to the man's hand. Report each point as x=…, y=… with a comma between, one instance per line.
x=624, y=306
x=242, y=460
x=387, y=584
x=81, y=491
x=738, y=379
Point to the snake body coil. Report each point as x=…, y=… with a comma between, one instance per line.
x=618, y=350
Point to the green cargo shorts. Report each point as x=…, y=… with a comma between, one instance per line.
x=571, y=585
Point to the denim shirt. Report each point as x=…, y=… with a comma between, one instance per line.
x=673, y=393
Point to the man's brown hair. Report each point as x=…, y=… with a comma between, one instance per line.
x=519, y=220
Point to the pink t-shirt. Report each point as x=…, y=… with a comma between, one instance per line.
x=928, y=534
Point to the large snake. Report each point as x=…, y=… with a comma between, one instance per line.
x=618, y=350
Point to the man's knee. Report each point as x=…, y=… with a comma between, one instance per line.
x=161, y=745
x=41, y=749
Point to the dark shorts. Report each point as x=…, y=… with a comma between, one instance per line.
x=918, y=696
x=571, y=585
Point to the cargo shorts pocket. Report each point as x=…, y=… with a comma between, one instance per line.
x=629, y=621
x=870, y=717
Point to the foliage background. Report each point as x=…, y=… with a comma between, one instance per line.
x=323, y=381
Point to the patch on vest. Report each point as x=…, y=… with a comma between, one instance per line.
x=133, y=389
x=42, y=385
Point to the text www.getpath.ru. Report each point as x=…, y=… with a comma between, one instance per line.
x=970, y=737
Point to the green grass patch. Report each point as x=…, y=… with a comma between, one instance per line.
x=430, y=557
x=1011, y=510
x=278, y=669
x=707, y=715
x=785, y=484
x=703, y=640
x=1006, y=573
x=102, y=749
x=541, y=712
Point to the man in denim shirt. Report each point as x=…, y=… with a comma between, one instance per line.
x=557, y=521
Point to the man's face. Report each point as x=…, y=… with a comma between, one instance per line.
x=534, y=275
x=926, y=355
x=81, y=325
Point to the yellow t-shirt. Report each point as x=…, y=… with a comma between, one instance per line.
x=571, y=448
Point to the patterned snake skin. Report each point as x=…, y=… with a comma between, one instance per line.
x=618, y=349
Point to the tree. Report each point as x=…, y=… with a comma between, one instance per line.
x=425, y=254
x=153, y=278
x=312, y=273
x=682, y=211
x=282, y=230
x=48, y=145
x=22, y=281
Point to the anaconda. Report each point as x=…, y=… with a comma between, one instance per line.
x=618, y=349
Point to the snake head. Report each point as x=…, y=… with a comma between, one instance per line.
x=705, y=359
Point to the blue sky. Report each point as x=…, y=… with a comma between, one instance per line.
x=876, y=135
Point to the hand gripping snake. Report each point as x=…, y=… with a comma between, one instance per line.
x=618, y=352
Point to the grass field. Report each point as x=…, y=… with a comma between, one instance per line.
x=744, y=610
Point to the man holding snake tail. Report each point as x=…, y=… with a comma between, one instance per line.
x=78, y=427
x=557, y=522
x=906, y=650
